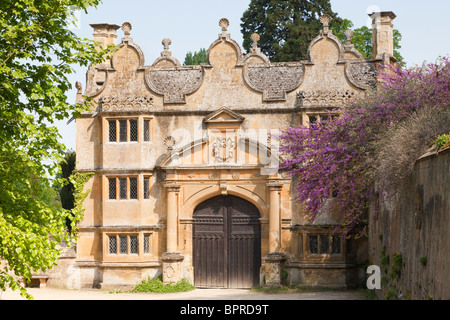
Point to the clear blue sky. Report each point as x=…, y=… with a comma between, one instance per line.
x=193, y=24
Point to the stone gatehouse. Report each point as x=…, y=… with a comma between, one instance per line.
x=187, y=181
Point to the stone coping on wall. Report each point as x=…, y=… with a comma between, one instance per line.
x=433, y=151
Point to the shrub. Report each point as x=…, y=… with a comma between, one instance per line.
x=157, y=286
x=423, y=260
x=443, y=141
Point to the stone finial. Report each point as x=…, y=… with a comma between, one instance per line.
x=224, y=23
x=255, y=38
x=348, y=36
x=166, y=42
x=126, y=28
x=78, y=86
x=325, y=20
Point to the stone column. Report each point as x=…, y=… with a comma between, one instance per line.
x=172, y=215
x=274, y=216
x=275, y=257
x=172, y=258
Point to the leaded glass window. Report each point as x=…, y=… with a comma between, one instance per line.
x=123, y=130
x=113, y=244
x=313, y=244
x=133, y=244
x=123, y=244
x=146, y=130
x=324, y=244
x=146, y=188
x=312, y=119
x=112, y=188
x=123, y=188
x=133, y=188
x=133, y=130
x=146, y=243
x=336, y=245
x=112, y=130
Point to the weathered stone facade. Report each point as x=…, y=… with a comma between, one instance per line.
x=165, y=138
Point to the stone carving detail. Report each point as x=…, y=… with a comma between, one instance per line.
x=126, y=28
x=213, y=175
x=166, y=42
x=224, y=24
x=108, y=103
x=169, y=142
x=362, y=74
x=255, y=38
x=223, y=149
x=236, y=175
x=325, y=20
x=174, y=83
x=324, y=98
x=274, y=80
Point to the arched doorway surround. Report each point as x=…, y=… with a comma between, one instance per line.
x=226, y=243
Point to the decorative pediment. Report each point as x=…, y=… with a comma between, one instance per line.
x=223, y=117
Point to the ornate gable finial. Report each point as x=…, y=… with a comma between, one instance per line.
x=224, y=23
x=255, y=38
x=325, y=20
x=348, y=37
x=166, y=42
x=126, y=28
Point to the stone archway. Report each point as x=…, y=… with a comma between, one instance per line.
x=226, y=243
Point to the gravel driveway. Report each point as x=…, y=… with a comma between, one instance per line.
x=197, y=294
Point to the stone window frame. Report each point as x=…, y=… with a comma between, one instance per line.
x=146, y=196
x=128, y=190
x=319, y=253
x=128, y=133
x=303, y=243
x=144, y=243
x=320, y=116
x=118, y=236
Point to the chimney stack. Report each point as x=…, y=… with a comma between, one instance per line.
x=105, y=34
x=383, y=36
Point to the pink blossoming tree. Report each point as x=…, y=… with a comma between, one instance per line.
x=339, y=165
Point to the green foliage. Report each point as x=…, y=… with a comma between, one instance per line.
x=443, y=141
x=37, y=52
x=157, y=286
x=384, y=262
x=390, y=295
x=66, y=191
x=285, y=27
x=195, y=58
x=423, y=260
x=396, y=267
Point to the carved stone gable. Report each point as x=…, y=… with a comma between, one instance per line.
x=223, y=116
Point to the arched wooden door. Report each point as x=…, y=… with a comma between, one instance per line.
x=227, y=243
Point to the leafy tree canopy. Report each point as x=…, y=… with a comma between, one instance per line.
x=37, y=52
x=286, y=28
x=195, y=58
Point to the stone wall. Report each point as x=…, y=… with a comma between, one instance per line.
x=410, y=237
